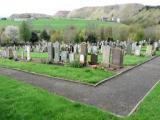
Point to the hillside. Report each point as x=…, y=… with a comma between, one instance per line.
x=62, y=14
x=29, y=15
x=128, y=13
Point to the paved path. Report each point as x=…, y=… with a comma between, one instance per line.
x=119, y=95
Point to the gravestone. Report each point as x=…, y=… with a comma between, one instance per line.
x=9, y=53
x=155, y=46
x=94, y=59
x=129, y=49
x=117, y=58
x=71, y=57
x=76, y=48
x=64, y=56
x=89, y=58
x=83, y=48
x=137, y=50
x=94, y=49
x=50, y=52
x=22, y=55
x=82, y=59
x=89, y=48
x=15, y=55
x=83, y=53
x=106, y=50
x=149, y=50
x=56, y=52
x=133, y=47
x=28, y=53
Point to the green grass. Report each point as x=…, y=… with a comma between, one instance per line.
x=34, y=54
x=131, y=60
x=59, y=23
x=87, y=75
x=20, y=101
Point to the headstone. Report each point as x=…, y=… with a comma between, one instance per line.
x=117, y=58
x=28, y=53
x=89, y=58
x=137, y=50
x=15, y=55
x=71, y=57
x=83, y=53
x=94, y=59
x=56, y=52
x=133, y=47
x=89, y=48
x=94, y=49
x=129, y=49
x=50, y=52
x=83, y=48
x=106, y=50
x=22, y=55
x=149, y=50
x=9, y=53
x=82, y=59
x=155, y=45
x=75, y=48
x=64, y=55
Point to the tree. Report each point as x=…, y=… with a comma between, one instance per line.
x=34, y=37
x=25, y=32
x=80, y=36
x=45, y=35
x=136, y=33
x=9, y=35
x=69, y=34
x=91, y=37
x=91, y=33
x=56, y=36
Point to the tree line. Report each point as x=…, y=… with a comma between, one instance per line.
x=92, y=33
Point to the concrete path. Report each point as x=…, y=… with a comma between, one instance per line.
x=119, y=95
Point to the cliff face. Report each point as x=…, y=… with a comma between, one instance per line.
x=122, y=11
x=128, y=13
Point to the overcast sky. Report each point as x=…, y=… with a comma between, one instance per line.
x=8, y=7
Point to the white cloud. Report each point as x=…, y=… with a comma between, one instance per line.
x=51, y=6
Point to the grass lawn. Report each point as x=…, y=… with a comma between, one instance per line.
x=87, y=75
x=20, y=101
x=131, y=60
x=59, y=23
x=35, y=54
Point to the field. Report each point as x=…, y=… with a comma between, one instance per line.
x=41, y=24
x=20, y=101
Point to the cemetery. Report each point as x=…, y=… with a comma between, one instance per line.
x=81, y=68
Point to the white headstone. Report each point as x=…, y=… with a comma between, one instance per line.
x=28, y=53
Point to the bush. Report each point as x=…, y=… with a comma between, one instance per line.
x=75, y=64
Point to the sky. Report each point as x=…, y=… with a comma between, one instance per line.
x=50, y=7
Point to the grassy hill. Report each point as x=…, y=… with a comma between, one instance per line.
x=128, y=13
x=40, y=24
